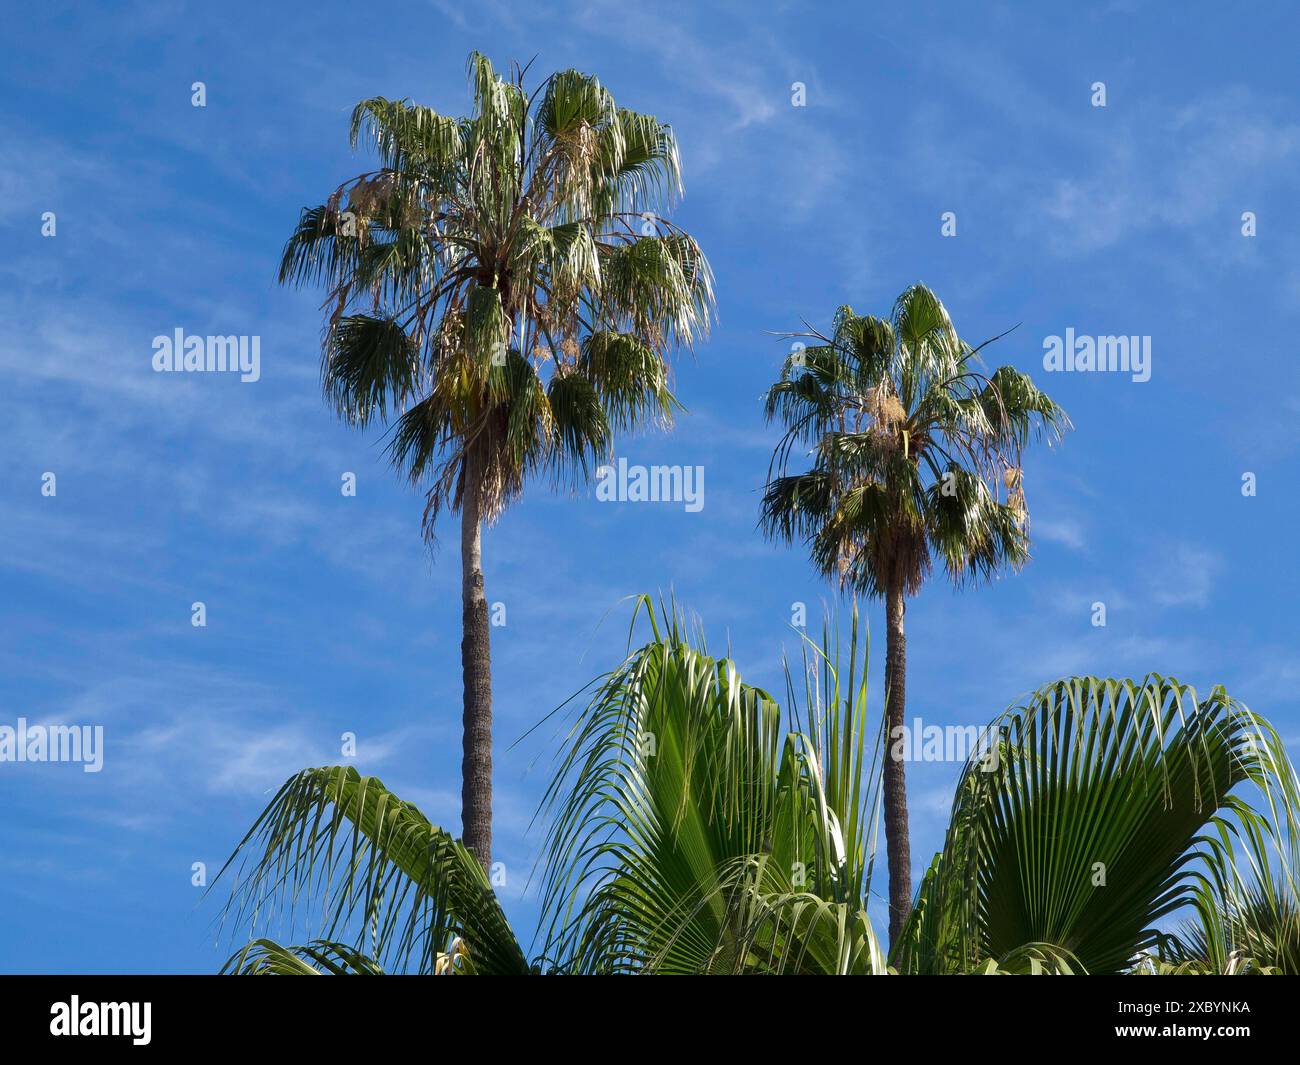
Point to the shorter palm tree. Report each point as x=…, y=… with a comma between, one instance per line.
x=694, y=830
x=915, y=458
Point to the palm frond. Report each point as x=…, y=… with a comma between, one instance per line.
x=692, y=834
x=1109, y=806
x=400, y=889
x=370, y=366
x=265, y=957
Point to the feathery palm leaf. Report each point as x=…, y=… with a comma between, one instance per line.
x=377, y=869
x=692, y=833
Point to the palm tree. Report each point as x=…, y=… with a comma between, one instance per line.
x=694, y=830
x=915, y=456
x=503, y=294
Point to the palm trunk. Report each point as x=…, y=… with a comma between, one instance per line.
x=476, y=663
x=896, y=841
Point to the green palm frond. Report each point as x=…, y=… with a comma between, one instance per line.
x=797, y=506
x=777, y=928
x=1259, y=923
x=318, y=251
x=692, y=833
x=369, y=367
x=631, y=380
x=406, y=136
x=265, y=957
x=582, y=431
x=403, y=889
x=1033, y=959
x=1015, y=408
x=1109, y=806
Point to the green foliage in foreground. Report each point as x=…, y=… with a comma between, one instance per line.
x=693, y=829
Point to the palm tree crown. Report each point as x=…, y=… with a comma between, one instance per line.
x=916, y=451
x=507, y=281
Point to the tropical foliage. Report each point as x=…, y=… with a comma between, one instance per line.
x=916, y=457
x=503, y=292
x=696, y=827
x=1111, y=805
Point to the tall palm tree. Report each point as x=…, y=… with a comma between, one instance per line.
x=915, y=457
x=504, y=292
x=698, y=829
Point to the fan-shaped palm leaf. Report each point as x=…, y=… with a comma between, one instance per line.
x=1109, y=806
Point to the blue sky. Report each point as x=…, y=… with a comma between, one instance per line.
x=327, y=615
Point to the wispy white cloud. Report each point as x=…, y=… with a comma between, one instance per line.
x=1065, y=531
x=1185, y=576
x=1174, y=167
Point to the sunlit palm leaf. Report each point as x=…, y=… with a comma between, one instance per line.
x=265, y=957
x=693, y=834
x=1109, y=806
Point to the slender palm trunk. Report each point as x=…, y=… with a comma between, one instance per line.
x=896, y=841
x=476, y=663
